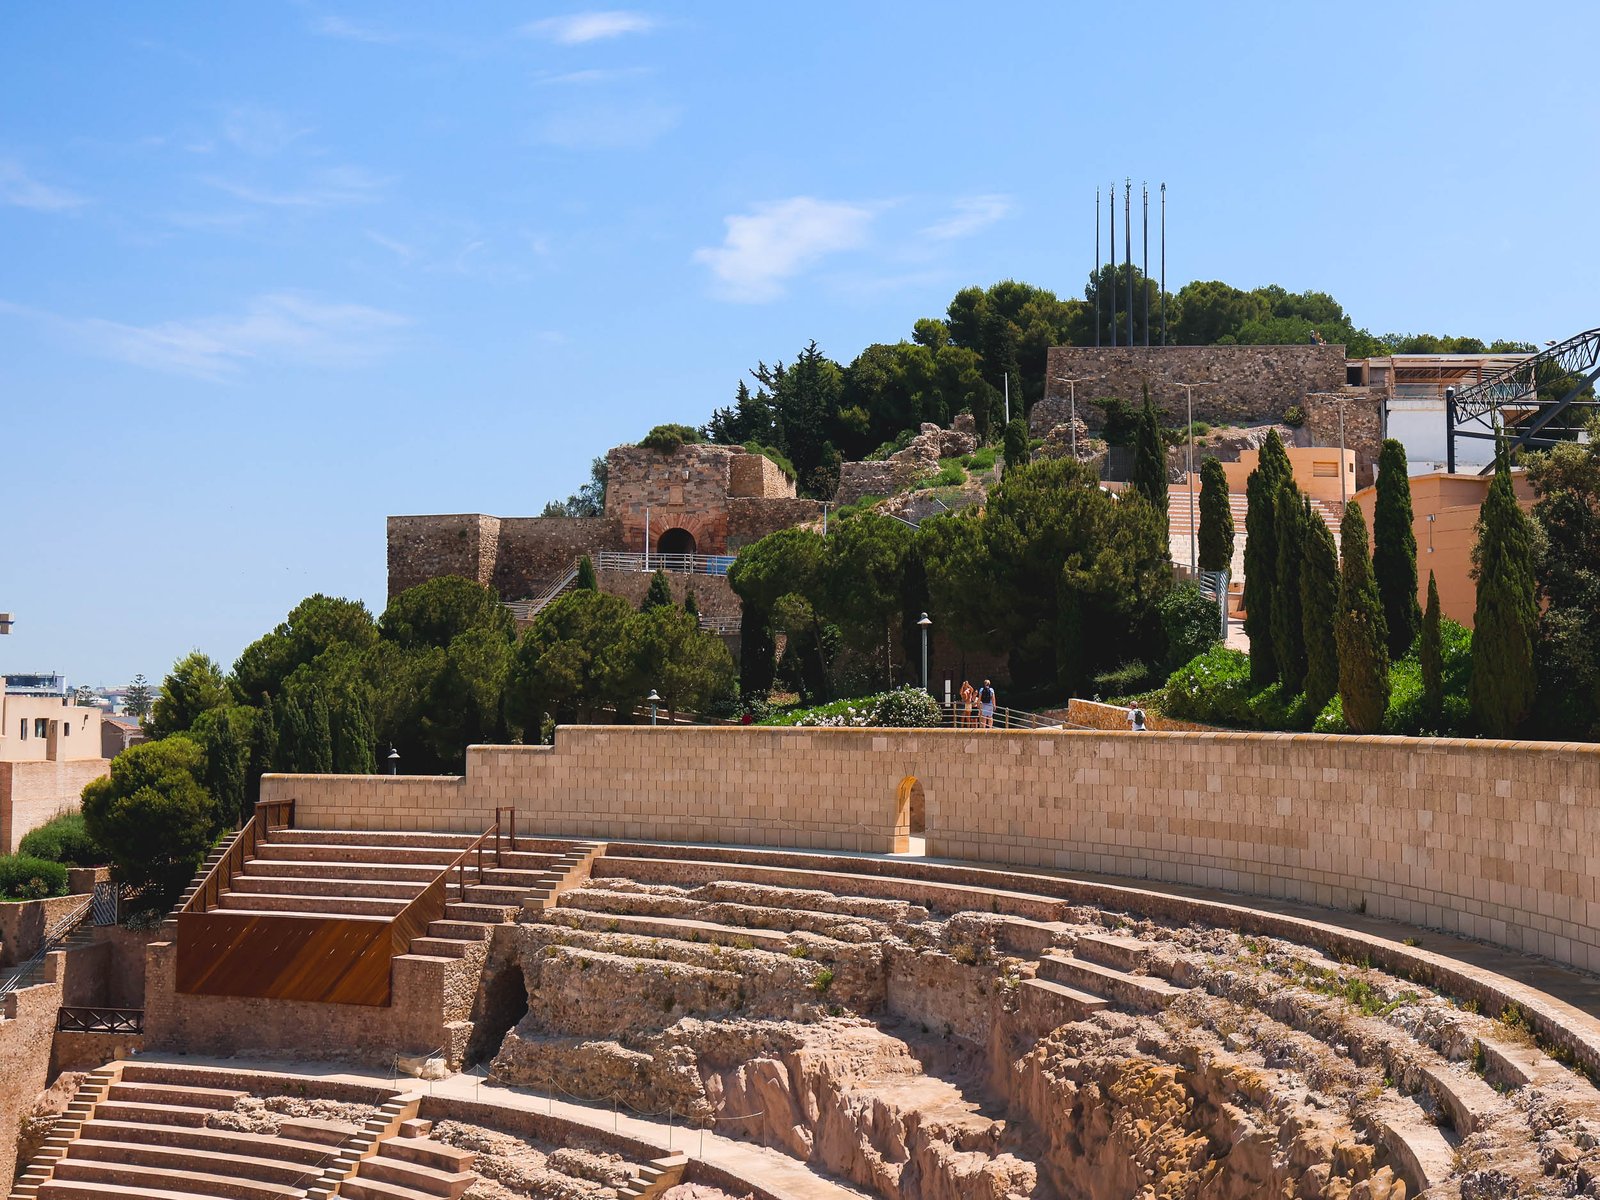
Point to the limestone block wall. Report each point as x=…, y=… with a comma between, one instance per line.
x=27, y=1022
x=1245, y=384
x=1489, y=839
x=686, y=489
x=757, y=476
x=712, y=595
x=33, y=792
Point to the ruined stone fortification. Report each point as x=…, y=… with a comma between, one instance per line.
x=1245, y=385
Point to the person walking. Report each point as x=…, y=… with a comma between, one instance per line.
x=986, y=700
x=1136, y=719
x=969, y=698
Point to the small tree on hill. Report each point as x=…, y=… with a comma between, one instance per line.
x=1319, y=603
x=1261, y=555
x=154, y=816
x=1430, y=654
x=1394, y=549
x=586, y=581
x=659, y=594
x=1359, y=630
x=691, y=605
x=1016, y=443
x=1507, y=611
x=136, y=701
x=1150, y=459
x=1216, y=518
x=1288, y=636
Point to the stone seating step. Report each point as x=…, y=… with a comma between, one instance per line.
x=376, y=837
x=528, y=860
x=355, y=906
x=935, y=895
x=489, y=893
x=301, y=868
x=365, y=1187
x=438, y=947
x=429, y=1153
x=1467, y=1098
x=178, y=1094
x=317, y=1131
x=127, y=1175
x=772, y=916
x=1515, y=1064
x=683, y=929
x=429, y=1180
x=1113, y=950
x=1021, y=935
x=318, y=852
x=286, y=885
x=463, y=931
x=1422, y=1155
x=263, y=1145
x=491, y=914
x=159, y=1114
x=1141, y=992
x=194, y=1160
x=58, y=1189
x=516, y=876
x=1064, y=1003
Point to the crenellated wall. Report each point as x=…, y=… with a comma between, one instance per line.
x=1489, y=839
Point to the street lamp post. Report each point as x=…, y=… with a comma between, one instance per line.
x=1343, y=500
x=393, y=760
x=1072, y=402
x=1194, y=542
x=654, y=700
x=6, y=622
x=925, y=625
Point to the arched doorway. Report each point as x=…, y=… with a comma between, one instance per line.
x=912, y=809
x=676, y=541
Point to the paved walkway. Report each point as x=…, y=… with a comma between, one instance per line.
x=772, y=1171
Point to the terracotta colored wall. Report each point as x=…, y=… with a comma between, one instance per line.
x=1489, y=839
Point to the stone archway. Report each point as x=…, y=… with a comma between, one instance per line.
x=911, y=810
x=676, y=540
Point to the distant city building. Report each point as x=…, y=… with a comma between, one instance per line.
x=49, y=749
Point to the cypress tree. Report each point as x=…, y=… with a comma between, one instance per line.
x=659, y=594
x=755, y=652
x=1507, y=611
x=351, y=727
x=1216, y=518
x=1288, y=638
x=1394, y=549
x=1150, y=462
x=225, y=770
x=1016, y=444
x=586, y=580
x=263, y=750
x=318, y=750
x=1359, y=630
x=1319, y=602
x=1261, y=555
x=1429, y=651
x=293, y=734
x=691, y=605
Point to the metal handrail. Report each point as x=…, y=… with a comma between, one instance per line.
x=92, y=1019
x=59, y=932
x=526, y=610
x=686, y=564
x=957, y=717
x=241, y=849
x=431, y=900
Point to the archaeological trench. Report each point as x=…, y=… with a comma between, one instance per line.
x=800, y=1022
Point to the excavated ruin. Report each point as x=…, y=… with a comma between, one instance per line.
x=936, y=1052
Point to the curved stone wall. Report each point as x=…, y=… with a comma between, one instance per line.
x=1494, y=840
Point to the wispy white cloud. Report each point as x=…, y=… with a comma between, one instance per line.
x=260, y=131
x=591, y=77
x=971, y=214
x=275, y=329
x=399, y=249
x=777, y=241
x=21, y=190
x=608, y=126
x=333, y=187
x=576, y=28
x=330, y=25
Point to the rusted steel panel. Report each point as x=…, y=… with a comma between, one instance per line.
x=277, y=956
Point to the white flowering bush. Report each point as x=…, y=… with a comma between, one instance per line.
x=907, y=707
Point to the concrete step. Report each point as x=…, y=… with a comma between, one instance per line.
x=487, y=893
x=365, y=1187
x=194, y=1160
x=58, y=1189
x=317, y=1131
x=1141, y=992
x=1113, y=950
x=1422, y=1155
x=135, y=1111
x=515, y=876
x=377, y=837
x=1060, y=1003
x=430, y=1181
x=400, y=855
x=462, y=931
x=436, y=947
x=177, y=1094
x=260, y=1145
x=300, y=868
x=355, y=906
x=1467, y=1098
x=286, y=885
x=429, y=1153
x=490, y=914
x=126, y=1175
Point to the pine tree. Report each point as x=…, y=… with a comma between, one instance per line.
x=318, y=749
x=1394, y=549
x=1016, y=446
x=691, y=605
x=1261, y=555
x=1150, y=461
x=1429, y=651
x=353, y=739
x=756, y=666
x=1319, y=602
x=225, y=770
x=1288, y=637
x=137, y=700
x=263, y=750
x=586, y=580
x=1507, y=611
x=1216, y=518
x=659, y=594
x=1359, y=630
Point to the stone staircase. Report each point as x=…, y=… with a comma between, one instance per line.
x=655, y=1178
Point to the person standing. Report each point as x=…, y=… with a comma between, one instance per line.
x=1136, y=719
x=969, y=698
x=986, y=699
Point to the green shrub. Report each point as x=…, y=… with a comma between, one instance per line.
x=776, y=457
x=1127, y=680
x=950, y=474
x=1190, y=622
x=1213, y=688
x=24, y=877
x=667, y=438
x=1407, y=712
x=1331, y=718
x=1294, y=416
x=64, y=839
x=900, y=443
x=903, y=708
x=982, y=459
x=908, y=708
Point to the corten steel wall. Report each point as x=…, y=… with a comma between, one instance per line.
x=1245, y=384
x=1491, y=839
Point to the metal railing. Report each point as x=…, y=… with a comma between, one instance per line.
x=239, y=851
x=429, y=904
x=100, y=1020
x=683, y=564
x=526, y=610
x=957, y=717
x=26, y=974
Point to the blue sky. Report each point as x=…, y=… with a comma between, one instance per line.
x=271, y=272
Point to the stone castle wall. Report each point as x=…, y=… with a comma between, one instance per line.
x=1363, y=425
x=755, y=476
x=751, y=520
x=1486, y=839
x=33, y=792
x=1247, y=385
x=516, y=556
x=534, y=552
x=712, y=595
x=687, y=489
x=424, y=548
x=27, y=1024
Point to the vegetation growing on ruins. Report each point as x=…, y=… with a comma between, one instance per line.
x=27, y=877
